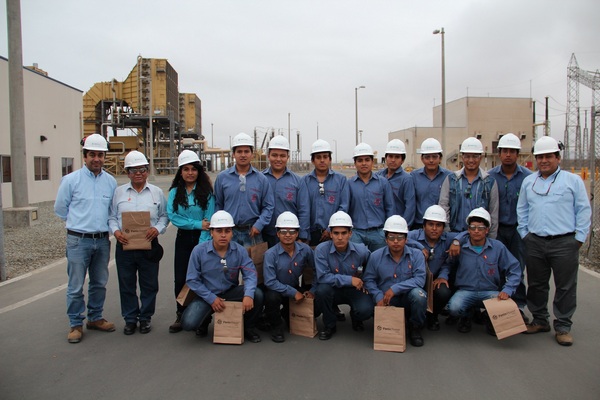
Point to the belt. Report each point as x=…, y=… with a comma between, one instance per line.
x=243, y=227
x=552, y=237
x=95, y=235
x=370, y=229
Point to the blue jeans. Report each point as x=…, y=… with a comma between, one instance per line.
x=327, y=297
x=133, y=265
x=198, y=310
x=372, y=238
x=242, y=236
x=414, y=303
x=463, y=302
x=86, y=256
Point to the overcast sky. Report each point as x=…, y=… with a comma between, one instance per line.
x=253, y=62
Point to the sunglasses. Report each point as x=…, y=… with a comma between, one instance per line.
x=134, y=171
x=431, y=254
x=242, y=183
x=547, y=191
x=224, y=263
x=321, y=188
x=290, y=232
x=396, y=238
x=468, y=194
x=479, y=228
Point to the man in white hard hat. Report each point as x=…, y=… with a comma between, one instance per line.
x=428, y=180
x=395, y=276
x=509, y=176
x=289, y=191
x=485, y=269
x=403, y=186
x=245, y=193
x=371, y=200
x=283, y=266
x=83, y=200
x=554, y=217
x=469, y=188
x=340, y=264
x=214, y=275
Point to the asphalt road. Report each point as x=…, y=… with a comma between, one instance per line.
x=37, y=362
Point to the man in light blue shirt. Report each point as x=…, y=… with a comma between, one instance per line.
x=83, y=200
x=554, y=217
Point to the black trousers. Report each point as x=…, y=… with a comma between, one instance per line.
x=184, y=244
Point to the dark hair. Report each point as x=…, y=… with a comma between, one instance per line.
x=500, y=149
x=312, y=156
x=403, y=156
x=479, y=219
x=201, y=193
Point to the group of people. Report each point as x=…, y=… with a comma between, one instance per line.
x=366, y=241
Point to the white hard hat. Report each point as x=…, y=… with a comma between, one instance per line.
x=320, y=146
x=242, y=139
x=395, y=224
x=279, y=142
x=545, y=145
x=363, y=149
x=480, y=213
x=509, y=141
x=435, y=213
x=430, y=146
x=221, y=219
x=395, y=146
x=135, y=159
x=471, y=145
x=340, y=218
x=287, y=220
x=95, y=142
x=187, y=157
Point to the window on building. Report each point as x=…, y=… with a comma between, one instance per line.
x=6, y=175
x=41, y=167
x=67, y=165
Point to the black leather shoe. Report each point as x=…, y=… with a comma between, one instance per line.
x=251, y=335
x=464, y=324
x=415, y=337
x=130, y=328
x=327, y=333
x=339, y=315
x=450, y=320
x=358, y=326
x=145, y=327
x=202, y=331
x=278, y=336
x=176, y=326
x=433, y=324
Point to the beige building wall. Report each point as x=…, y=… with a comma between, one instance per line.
x=53, y=110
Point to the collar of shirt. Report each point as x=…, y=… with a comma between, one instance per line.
x=388, y=254
x=129, y=186
x=462, y=174
x=551, y=176
x=373, y=177
x=469, y=246
x=313, y=174
x=269, y=171
x=90, y=173
x=233, y=170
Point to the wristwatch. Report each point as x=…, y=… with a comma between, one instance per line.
x=456, y=242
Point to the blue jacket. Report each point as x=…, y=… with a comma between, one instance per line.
x=282, y=273
x=508, y=192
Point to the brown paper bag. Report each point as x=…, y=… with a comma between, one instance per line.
x=429, y=288
x=505, y=316
x=389, y=334
x=302, y=318
x=135, y=225
x=229, y=324
x=185, y=296
x=257, y=254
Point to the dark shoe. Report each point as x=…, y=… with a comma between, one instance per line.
x=450, y=320
x=176, y=326
x=415, y=337
x=564, y=338
x=478, y=317
x=525, y=319
x=464, y=324
x=339, y=315
x=130, y=328
x=537, y=328
x=327, y=333
x=101, y=325
x=145, y=327
x=202, y=330
x=264, y=326
x=75, y=334
x=489, y=328
x=358, y=326
x=278, y=336
x=433, y=324
x=251, y=335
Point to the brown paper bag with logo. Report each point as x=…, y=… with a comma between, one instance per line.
x=229, y=324
x=302, y=318
x=389, y=334
x=135, y=225
x=257, y=254
x=429, y=288
x=185, y=296
x=505, y=316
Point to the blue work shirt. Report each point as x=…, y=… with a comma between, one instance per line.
x=437, y=259
x=151, y=198
x=508, y=192
x=209, y=275
x=427, y=191
x=403, y=188
x=84, y=200
x=337, y=269
x=371, y=203
x=290, y=194
x=282, y=272
x=558, y=205
x=190, y=218
x=252, y=206
x=336, y=197
x=493, y=269
x=383, y=272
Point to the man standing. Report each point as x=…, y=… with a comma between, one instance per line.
x=371, y=200
x=244, y=193
x=469, y=188
x=395, y=276
x=340, y=265
x=403, y=186
x=554, y=217
x=428, y=180
x=83, y=201
x=289, y=191
x=509, y=176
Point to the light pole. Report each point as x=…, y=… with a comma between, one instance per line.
x=212, y=136
x=356, y=109
x=152, y=176
x=335, y=141
x=441, y=32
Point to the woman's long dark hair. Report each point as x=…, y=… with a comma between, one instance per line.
x=201, y=193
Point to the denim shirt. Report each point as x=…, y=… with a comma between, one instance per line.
x=371, y=203
x=335, y=197
x=336, y=269
x=427, y=191
x=403, y=188
x=508, y=192
x=282, y=272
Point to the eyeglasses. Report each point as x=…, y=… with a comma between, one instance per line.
x=134, y=171
x=321, y=188
x=290, y=232
x=396, y=238
x=431, y=254
x=224, y=263
x=479, y=228
x=471, y=156
x=242, y=183
x=430, y=156
x=547, y=191
x=468, y=194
